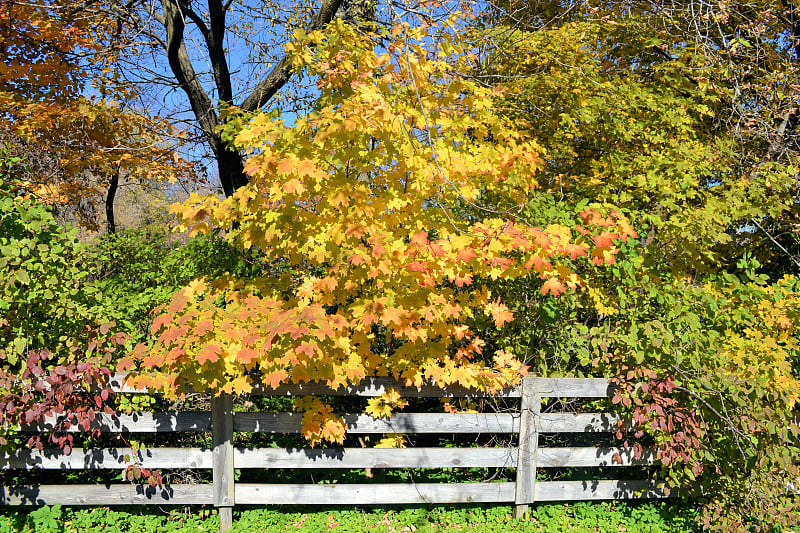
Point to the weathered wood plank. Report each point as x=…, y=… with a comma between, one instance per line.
x=432, y=423
x=109, y=458
x=106, y=495
x=433, y=457
x=603, y=489
x=350, y=494
x=577, y=423
x=376, y=458
x=572, y=387
x=547, y=387
x=161, y=422
x=371, y=494
x=591, y=457
x=114, y=458
x=165, y=422
x=375, y=494
x=376, y=386
x=528, y=445
x=398, y=423
x=222, y=458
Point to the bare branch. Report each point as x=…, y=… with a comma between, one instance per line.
x=198, y=21
x=279, y=75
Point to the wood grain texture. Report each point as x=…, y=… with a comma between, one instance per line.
x=395, y=493
x=604, y=489
x=376, y=458
x=309, y=458
x=106, y=495
x=528, y=444
x=572, y=387
x=432, y=423
x=591, y=457
x=222, y=452
x=370, y=494
x=161, y=422
x=577, y=423
x=546, y=387
x=398, y=423
x=166, y=422
x=434, y=457
x=347, y=494
x=109, y=458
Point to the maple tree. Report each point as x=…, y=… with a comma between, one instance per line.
x=38, y=43
x=456, y=214
x=77, y=148
x=354, y=207
x=86, y=150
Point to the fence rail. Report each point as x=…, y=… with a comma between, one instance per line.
x=223, y=458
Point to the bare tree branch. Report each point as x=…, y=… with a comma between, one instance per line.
x=279, y=75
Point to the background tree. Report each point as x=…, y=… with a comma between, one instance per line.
x=728, y=77
x=646, y=108
x=75, y=149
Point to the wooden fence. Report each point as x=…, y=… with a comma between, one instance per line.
x=223, y=459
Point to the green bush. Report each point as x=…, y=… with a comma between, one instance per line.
x=47, y=297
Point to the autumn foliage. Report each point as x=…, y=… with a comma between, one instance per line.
x=74, y=145
x=383, y=214
x=456, y=208
x=696, y=323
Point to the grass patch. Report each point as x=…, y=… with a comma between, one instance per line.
x=595, y=517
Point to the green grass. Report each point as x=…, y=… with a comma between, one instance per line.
x=647, y=517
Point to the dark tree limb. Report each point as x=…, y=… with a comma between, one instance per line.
x=279, y=75
x=215, y=40
x=182, y=68
x=112, y=193
x=198, y=21
x=174, y=16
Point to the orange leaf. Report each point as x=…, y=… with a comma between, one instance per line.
x=274, y=379
x=246, y=355
x=392, y=315
x=553, y=286
x=209, y=353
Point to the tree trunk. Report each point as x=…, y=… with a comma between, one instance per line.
x=112, y=192
x=175, y=15
x=230, y=166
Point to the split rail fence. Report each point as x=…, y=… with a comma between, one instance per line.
x=527, y=422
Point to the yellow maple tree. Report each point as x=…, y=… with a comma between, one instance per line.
x=383, y=214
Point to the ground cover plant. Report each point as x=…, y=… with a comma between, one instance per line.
x=602, y=517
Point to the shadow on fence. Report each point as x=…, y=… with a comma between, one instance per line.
x=527, y=423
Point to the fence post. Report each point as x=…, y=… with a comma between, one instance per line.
x=222, y=463
x=530, y=406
